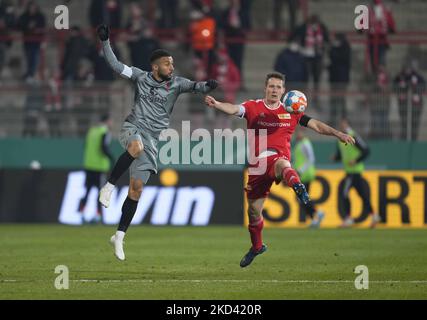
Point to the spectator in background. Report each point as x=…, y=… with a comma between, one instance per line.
x=76, y=49
x=203, y=35
x=409, y=87
x=82, y=98
x=278, y=10
x=246, y=13
x=53, y=104
x=379, y=105
x=235, y=22
x=225, y=71
x=32, y=23
x=291, y=63
x=34, y=103
x=313, y=37
x=168, y=14
x=7, y=21
x=97, y=162
x=140, y=38
x=339, y=76
x=202, y=5
x=105, y=11
x=381, y=23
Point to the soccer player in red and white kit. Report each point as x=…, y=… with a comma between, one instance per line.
x=269, y=114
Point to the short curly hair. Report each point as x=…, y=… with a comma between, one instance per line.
x=159, y=53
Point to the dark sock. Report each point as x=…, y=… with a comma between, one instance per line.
x=128, y=211
x=309, y=209
x=99, y=208
x=122, y=164
x=82, y=203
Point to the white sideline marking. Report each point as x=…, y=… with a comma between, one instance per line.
x=222, y=280
x=254, y=280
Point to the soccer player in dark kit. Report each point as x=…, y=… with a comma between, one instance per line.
x=270, y=115
x=155, y=95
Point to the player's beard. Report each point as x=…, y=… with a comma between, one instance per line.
x=165, y=77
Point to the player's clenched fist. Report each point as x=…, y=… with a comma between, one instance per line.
x=103, y=32
x=210, y=101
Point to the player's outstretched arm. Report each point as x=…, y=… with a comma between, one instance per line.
x=196, y=86
x=225, y=107
x=119, y=67
x=323, y=128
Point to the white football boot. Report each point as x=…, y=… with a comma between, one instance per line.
x=315, y=223
x=105, y=194
x=118, y=247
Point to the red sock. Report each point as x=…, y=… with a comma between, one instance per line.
x=255, y=230
x=290, y=176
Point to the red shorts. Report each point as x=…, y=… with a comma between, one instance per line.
x=259, y=185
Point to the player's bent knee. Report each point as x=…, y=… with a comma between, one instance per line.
x=280, y=165
x=253, y=212
x=135, y=148
x=135, y=194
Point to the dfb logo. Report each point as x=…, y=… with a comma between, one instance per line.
x=361, y=22
x=362, y=280
x=61, y=281
x=62, y=21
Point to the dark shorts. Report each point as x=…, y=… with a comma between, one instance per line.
x=142, y=167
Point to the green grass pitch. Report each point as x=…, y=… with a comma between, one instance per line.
x=203, y=263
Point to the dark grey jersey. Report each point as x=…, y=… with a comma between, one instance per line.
x=154, y=100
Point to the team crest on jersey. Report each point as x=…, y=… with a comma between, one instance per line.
x=284, y=115
x=262, y=115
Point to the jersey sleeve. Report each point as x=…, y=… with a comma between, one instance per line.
x=186, y=85
x=249, y=110
x=136, y=73
x=119, y=67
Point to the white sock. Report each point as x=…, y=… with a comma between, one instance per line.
x=120, y=235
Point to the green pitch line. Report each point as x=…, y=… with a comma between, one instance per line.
x=203, y=263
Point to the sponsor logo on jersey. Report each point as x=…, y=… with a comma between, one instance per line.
x=284, y=116
x=273, y=124
x=154, y=96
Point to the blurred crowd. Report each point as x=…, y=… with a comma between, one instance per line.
x=215, y=49
x=312, y=50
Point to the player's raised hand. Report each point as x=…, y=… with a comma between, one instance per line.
x=210, y=101
x=347, y=139
x=103, y=32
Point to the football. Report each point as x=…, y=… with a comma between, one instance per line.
x=295, y=101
